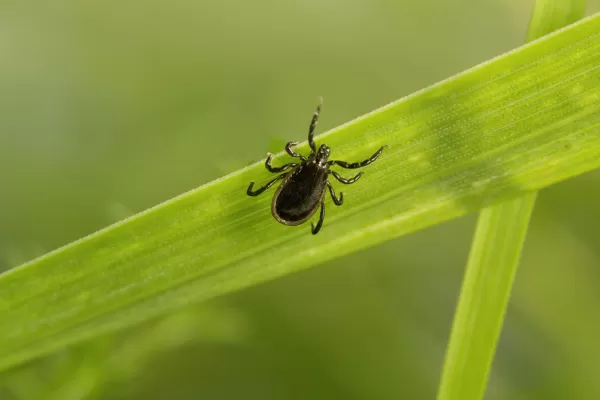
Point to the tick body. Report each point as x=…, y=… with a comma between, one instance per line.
x=304, y=183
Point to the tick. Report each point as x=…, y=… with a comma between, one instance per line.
x=303, y=188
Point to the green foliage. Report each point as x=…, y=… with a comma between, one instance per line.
x=518, y=123
x=551, y=15
x=484, y=295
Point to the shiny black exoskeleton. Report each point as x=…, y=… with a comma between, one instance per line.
x=303, y=188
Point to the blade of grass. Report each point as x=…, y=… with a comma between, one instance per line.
x=494, y=259
x=518, y=123
x=551, y=15
x=485, y=291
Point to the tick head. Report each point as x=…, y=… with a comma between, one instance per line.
x=323, y=154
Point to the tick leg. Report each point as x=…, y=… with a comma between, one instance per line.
x=336, y=201
x=316, y=229
x=368, y=161
x=344, y=180
x=313, y=125
x=277, y=169
x=288, y=149
x=250, y=192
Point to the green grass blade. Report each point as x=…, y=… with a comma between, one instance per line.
x=518, y=123
x=551, y=15
x=485, y=291
x=494, y=259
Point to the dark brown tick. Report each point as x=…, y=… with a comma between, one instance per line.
x=303, y=188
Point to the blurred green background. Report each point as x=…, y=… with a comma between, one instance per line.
x=107, y=108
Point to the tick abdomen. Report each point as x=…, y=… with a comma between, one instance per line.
x=300, y=194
